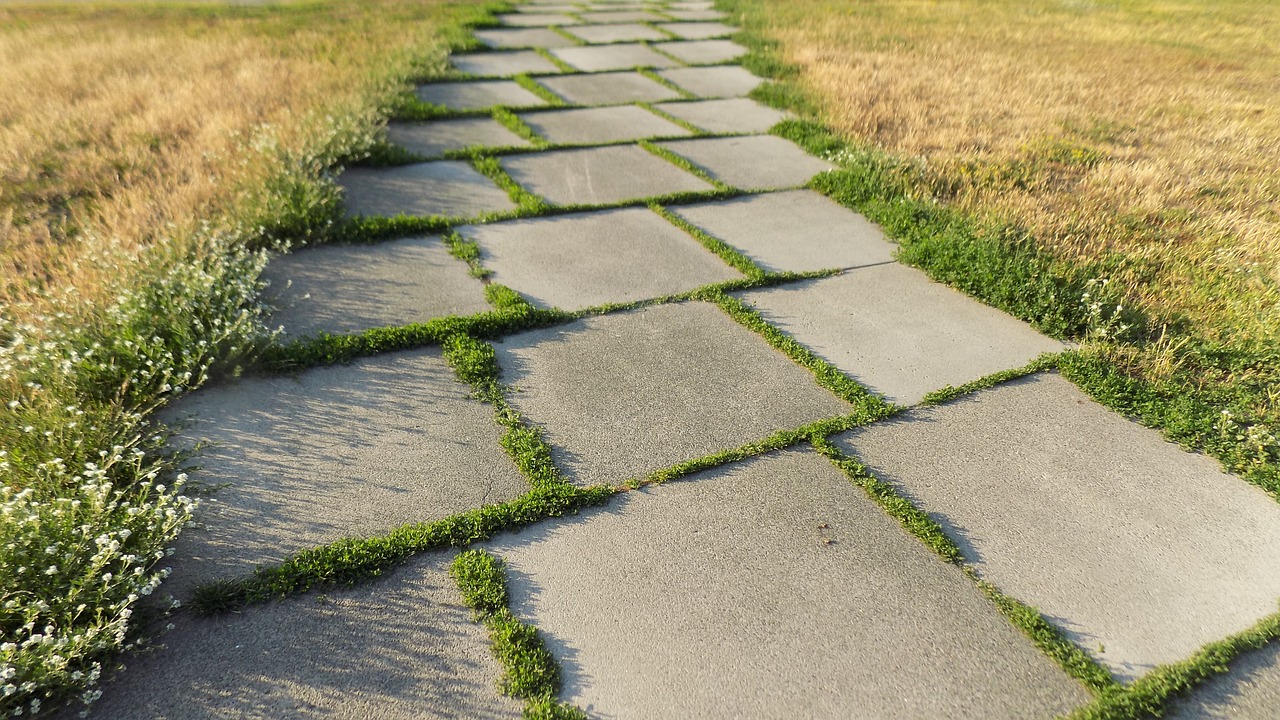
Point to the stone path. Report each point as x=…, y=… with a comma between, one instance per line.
x=603, y=161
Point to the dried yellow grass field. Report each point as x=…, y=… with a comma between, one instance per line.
x=1143, y=134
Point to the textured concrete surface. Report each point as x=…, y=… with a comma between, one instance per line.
x=503, y=64
x=718, y=597
x=713, y=82
x=1250, y=691
x=450, y=188
x=895, y=331
x=593, y=176
x=601, y=125
x=1141, y=552
x=621, y=32
x=626, y=394
x=698, y=30
x=608, y=88
x=331, y=453
x=522, y=38
x=620, y=16
x=401, y=648
x=581, y=260
x=733, y=115
x=703, y=52
x=697, y=5
x=696, y=14
x=430, y=139
x=346, y=288
x=797, y=230
x=622, y=56
x=757, y=162
x=478, y=95
x=536, y=19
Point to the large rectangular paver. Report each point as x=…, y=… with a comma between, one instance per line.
x=1250, y=691
x=478, y=95
x=713, y=82
x=431, y=139
x=703, y=52
x=522, y=38
x=621, y=32
x=620, y=16
x=620, y=56
x=342, y=451
x=503, y=64
x=757, y=162
x=1138, y=550
x=732, y=115
x=794, y=231
x=581, y=260
x=770, y=588
x=608, y=88
x=696, y=14
x=601, y=125
x=404, y=648
x=899, y=333
x=698, y=30
x=596, y=176
x=349, y=288
x=623, y=395
x=447, y=188
x=537, y=19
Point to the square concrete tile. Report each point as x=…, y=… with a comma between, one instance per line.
x=522, y=38
x=795, y=231
x=756, y=162
x=718, y=597
x=899, y=333
x=626, y=394
x=447, y=188
x=733, y=115
x=349, y=288
x=503, y=64
x=622, y=56
x=1138, y=550
x=1250, y=691
x=698, y=30
x=696, y=14
x=601, y=125
x=703, y=52
x=431, y=139
x=621, y=32
x=582, y=260
x=478, y=95
x=531, y=19
x=402, y=648
x=595, y=176
x=621, y=16
x=713, y=82
x=342, y=451
x=693, y=5
x=608, y=88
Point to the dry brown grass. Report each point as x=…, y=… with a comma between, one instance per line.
x=134, y=123
x=1141, y=128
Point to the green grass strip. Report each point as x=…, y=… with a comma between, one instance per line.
x=1046, y=361
x=726, y=252
x=512, y=122
x=491, y=168
x=684, y=94
x=530, y=671
x=685, y=165
x=466, y=250
x=1150, y=695
x=385, y=154
x=561, y=65
x=559, y=30
x=528, y=83
x=504, y=299
x=697, y=131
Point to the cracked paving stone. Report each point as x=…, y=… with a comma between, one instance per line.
x=596, y=176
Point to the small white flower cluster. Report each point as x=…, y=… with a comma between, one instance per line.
x=1104, y=317
x=1259, y=442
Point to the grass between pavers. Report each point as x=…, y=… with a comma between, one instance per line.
x=685, y=165
x=1046, y=361
x=731, y=255
x=528, y=203
x=530, y=671
x=684, y=94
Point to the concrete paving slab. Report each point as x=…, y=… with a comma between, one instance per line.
x=537, y=19
x=1250, y=691
x=795, y=231
x=346, y=288
x=696, y=14
x=403, y=648
x=601, y=125
x=619, y=56
x=626, y=394
x=620, y=16
x=478, y=95
x=341, y=451
x=701, y=5
x=608, y=88
x=503, y=63
x=899, y=333
x=548, y=7
x=621, y=32
x=718, y=597
x=582, y=260
x=733, y=115
x=448, y=188
x=1138, y=550
x=713, y=82
x=756, y=162
x=432, y=139
x=703, y=52
x=698, y=30
x=596, y=176
x=522, y=38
